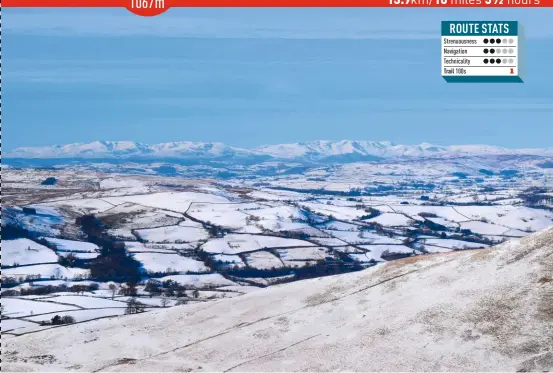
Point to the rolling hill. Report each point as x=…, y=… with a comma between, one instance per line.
x=472, y=310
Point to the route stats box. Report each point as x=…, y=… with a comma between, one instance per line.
x=480, y=52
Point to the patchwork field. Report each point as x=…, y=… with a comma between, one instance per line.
x=94, y=243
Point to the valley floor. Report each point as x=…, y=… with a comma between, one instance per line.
x=81, y=245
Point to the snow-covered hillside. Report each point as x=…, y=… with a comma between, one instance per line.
x=475, y=310
x=345, y=150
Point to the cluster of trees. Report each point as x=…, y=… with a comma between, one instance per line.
x=11, y=281
x=322, y=267
x=432, y=229
x=14, y=281
x=326, y=267
x=59, y=320
x=215, y=230
x=134, y=306
x=12, y=231
x=113, y=260
x=49, y=181
x=537, y=198
x=546, y=164
x=72, y=261
x=427, y=215
x=298, y=235
x=434, y=226
x=167, y=272
x=49, y=289
x=113, y=263
x=354, y=192
x=252, y=218
x=169, y=288
x=371, y=213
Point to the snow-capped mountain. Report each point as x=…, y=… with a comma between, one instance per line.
x=89, y=150
x=385, y=149
x=190, y=148
x=127, y=149
x=320, y=150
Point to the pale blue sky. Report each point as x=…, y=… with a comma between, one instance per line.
x=248, y=77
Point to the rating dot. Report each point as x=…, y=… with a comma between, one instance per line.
x=504, y=60
x=511, y=50
x=485, y=60
x=492, y=61
x=504, y=50
x=492, y=51
x=485, y=41
x=511, y=41
x=511, y=60
x=498, y=60
x=498, y=51
x=492, y=41
x=504, y=41
x=498, y=41
x=486, y=50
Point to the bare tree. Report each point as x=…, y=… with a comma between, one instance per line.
x=113, y=289
x=134, y=306
x=152, y=287
x=67, y=319
x=128, y=290
x=164, y=302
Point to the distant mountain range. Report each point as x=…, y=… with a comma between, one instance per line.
x=312, y=151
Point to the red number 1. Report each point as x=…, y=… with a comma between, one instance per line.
x=512, y=71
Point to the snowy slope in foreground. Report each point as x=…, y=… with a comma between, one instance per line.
x=481, y=310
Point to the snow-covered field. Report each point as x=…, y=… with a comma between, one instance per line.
x=24, y=251
x=186, y=241
x=175, y=234
x=158, y=262
x=471, y=310
x=238, y=243
x=15, y=308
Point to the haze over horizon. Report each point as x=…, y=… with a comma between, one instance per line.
x=260, y=145
x=247, y=77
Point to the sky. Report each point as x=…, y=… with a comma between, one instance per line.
x=249, y=77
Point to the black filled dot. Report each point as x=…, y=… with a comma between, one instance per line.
x=492, y=41
x=498, y=41
x=486, y=50
x=492, y=61
x=492, y=51
x=485, y=60
x=485, y=41
x=498, y=60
